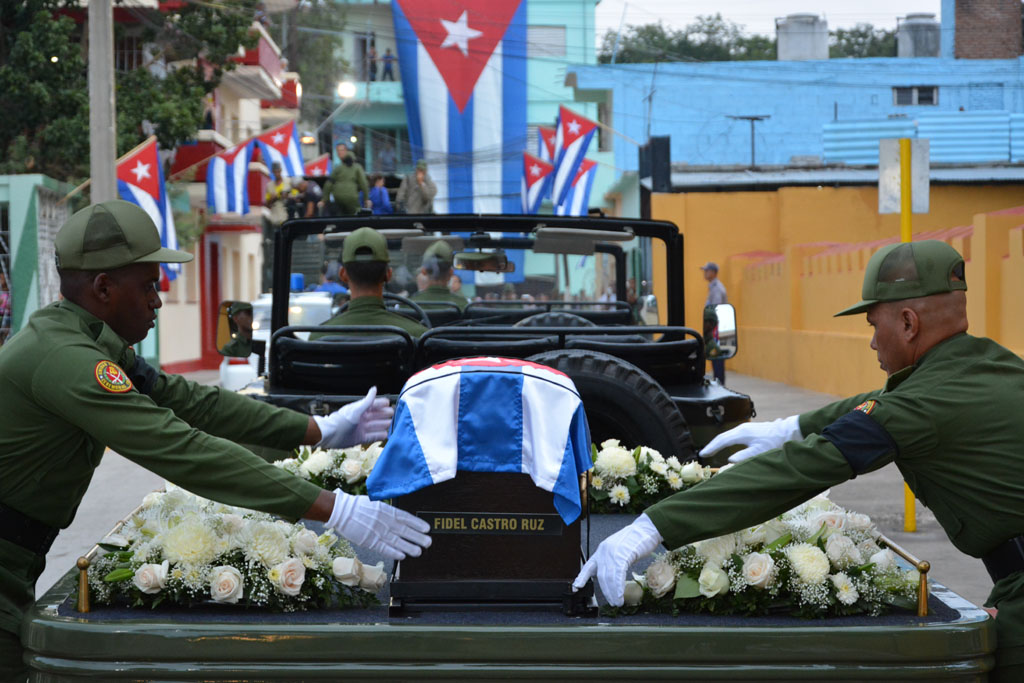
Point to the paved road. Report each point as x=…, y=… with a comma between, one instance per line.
x=119, y=485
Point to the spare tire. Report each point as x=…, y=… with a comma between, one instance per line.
x=623, y=402
x=555, y=319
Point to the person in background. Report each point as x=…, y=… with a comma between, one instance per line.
x=279, y=190
x=389, y=61
x=437, y=269
x=330, y=280
x=308, y=200
x=71, y=386
x=716, y=295
x=380, y=202
x=343, y=187
x=417, y=191
x=371, y=63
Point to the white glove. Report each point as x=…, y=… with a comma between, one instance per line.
x=758, y=437
x=613, y=558
x=378, y=526
x=365, y=421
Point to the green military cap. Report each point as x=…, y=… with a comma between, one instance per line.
x=421, y=165
x=238, y=307
x=365, y=244
x=439, y=250
x=710, y=313
x=110, y=235
x=908, y=270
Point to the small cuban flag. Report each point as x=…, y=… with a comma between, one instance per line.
x=227, y=186
x=577, y=201
x=487, y=415
x=319, y=167
x=281, y=144
x=140, y=180
x=572, y=138
x=536, y=178
x=546, y=143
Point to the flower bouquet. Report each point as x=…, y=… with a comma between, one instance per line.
x=631, y=480
x=335, y=468
x=180, y=549
x=816, y=560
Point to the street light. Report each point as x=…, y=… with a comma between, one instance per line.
x=346, y=90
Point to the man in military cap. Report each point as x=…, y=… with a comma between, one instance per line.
x=240, y=345
x=417, y=191
x=938, y=417
x=437, y=267
x=365, y=271
x=71, y=386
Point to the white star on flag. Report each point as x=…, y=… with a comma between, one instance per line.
x=141, y=171
x=574, y=127
x=459, y=33
x=535, y=170
x=278, y=138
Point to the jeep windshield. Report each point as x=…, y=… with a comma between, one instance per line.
x=506, y=267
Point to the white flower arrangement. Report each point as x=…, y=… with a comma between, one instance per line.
x=335, y=468
x=816, y=560
x=180, y=549
x=626, y=480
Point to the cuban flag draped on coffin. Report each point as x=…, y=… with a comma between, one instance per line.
x=140, y=180
x=227, y=187
x=464, y=83
x=577, y=200
x=487, y=415
x=281, y=144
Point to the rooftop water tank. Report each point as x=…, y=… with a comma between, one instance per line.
x=802, y=37
x=918, y=35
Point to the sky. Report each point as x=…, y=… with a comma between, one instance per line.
x=758, y=16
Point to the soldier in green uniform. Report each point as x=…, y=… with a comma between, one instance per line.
x=71, y=386
x=945, y=417
x=346, y=181
x=437, y=266
x=365, y=271
x=240, y=346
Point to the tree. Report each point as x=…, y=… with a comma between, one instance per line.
x=45, y=127
x=315, y=54
x=863, y=40
x=707, y=39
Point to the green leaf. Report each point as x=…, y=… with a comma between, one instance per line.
x=687, y=587
x=816, y=538
x=593, y=452
x=110, y=547
x=780, y=542
x=119, y=575
x=636, y=454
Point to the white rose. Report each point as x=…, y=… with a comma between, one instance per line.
x=226, y=584
x=318, y=461
x=304, y=542
x=692, y=472
x=712, y=581
x=661, y=577
x=883, y=560
x=841, y=551
x=347, y=570
x=633, y=593
x=759, y=570
x=717, y=550
x=289, y=576
x=856, y=521
x=774, y=529
x=373, y=578
x=352, y=470
x=833, y=521
x=151, y=578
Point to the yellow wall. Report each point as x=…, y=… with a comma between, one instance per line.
x=793, y=257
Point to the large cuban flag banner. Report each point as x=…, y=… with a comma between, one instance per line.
x=281, y=144
x=487, y=415
x=464, y=83
x=535, y=182
x=572, y=138
x=577, y=201
x=227, y=187
x=140, y=180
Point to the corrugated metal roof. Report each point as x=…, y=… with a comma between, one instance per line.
x=780, y=177
x=960, y=137
x=856, y=142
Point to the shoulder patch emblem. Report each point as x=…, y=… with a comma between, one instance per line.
x=867, y=406
x=112, y=378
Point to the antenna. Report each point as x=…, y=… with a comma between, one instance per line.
x=753, y=120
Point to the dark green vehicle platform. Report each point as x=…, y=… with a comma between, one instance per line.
x=956, y=642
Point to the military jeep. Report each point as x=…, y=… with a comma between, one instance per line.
x=546, y=289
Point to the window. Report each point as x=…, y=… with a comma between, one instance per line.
x=916, y=94
x=545, y=41
x=604, y=136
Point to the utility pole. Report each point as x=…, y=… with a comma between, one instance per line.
x=753, y=120
x=102, y=113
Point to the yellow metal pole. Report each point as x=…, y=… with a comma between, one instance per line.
x=906, y=235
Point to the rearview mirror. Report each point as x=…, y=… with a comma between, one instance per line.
x=234, y=329
x=484, y=261
x=720, y=335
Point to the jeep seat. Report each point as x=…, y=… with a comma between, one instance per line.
x=669, y=362
x=437, y=349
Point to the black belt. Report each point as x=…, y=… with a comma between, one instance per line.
x=1007, y=558
x=20, y=529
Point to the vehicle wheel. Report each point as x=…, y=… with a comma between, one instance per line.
x=623, y=402
x=555, y=319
